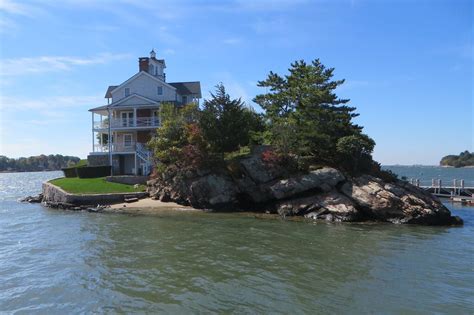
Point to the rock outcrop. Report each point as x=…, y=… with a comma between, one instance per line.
x=322, y=194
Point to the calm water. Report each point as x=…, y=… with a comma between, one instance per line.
x=57, y=262
x=427, y=173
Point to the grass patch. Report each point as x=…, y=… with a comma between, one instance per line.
x=99, y=185
x=238, y=154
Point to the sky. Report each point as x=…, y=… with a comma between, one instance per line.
x=408, y=65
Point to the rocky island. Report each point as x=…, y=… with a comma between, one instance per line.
x=303, y=156
x=323, y=194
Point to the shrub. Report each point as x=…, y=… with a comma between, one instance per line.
x=93, y=171
x=70, y=172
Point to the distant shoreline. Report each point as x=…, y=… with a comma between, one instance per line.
x=7, y=172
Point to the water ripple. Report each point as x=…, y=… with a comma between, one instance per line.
x=56, y=262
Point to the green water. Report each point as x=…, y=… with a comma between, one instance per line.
x=57, y=262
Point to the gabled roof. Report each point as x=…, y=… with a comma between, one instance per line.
x=108, y=94
x=147, y=101
x=139, y=74
x=187, y=88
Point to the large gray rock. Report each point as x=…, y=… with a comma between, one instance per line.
x=214, y=191
x=332, y=206
x=395, y=202
x=253, y=193
x=321, y=194
x=255, y=169
x=324, y=179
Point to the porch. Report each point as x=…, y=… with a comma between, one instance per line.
x=126, y=118
x=127, y=122
x=127, y=157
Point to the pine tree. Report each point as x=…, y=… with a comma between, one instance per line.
x=304, y=115
x=226, y=123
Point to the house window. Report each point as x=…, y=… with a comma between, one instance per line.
x=127, y=140
x=159, y=90
x=152, y=69
x=185, y=99
x=127, y=119
x=127, y=92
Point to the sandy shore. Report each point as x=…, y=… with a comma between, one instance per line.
x=148, y=206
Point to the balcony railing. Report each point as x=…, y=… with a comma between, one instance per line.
x=116, y=147
x=128, y=122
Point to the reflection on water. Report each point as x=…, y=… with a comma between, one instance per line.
x=57, y=261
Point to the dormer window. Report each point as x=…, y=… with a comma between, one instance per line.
x=127, y=92
x=159, y=90
x=152, y=69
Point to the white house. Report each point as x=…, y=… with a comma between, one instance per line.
x=132, y=115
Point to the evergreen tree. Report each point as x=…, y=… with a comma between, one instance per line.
x=304, y=115
x=226, y=123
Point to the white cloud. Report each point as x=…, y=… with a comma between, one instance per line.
x=9, y=9
x=264, y=26
x=232, y=41
x=7, y=25
x=41, y=64
x=166, y=36
x=169, y=51
x=16, y=8
x=49, y=104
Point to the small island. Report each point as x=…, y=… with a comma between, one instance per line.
x=301, y=156
x=464, y=159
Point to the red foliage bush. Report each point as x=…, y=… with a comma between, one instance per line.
x=193, y=154
x=272, y=158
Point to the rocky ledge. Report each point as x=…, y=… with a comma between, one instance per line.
x=322, y=194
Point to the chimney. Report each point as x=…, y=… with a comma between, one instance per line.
x=143, y=64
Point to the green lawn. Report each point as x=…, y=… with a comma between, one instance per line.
x=93, y=186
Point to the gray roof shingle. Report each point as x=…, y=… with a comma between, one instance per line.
x=108, y=94
x=188, y=88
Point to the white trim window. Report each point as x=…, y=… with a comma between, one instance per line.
x=127, y=92
x=159, y=90
x=127, y=140
x=126, y=119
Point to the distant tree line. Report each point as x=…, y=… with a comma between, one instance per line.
x=36, y=163
x=463, y=159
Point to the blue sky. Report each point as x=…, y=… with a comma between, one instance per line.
x=408, y=65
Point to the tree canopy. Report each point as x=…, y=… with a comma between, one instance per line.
x=303, y=121
x=304, y=115
x=37, y=163
x=227, y=123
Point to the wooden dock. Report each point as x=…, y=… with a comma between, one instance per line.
x=457, y=191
